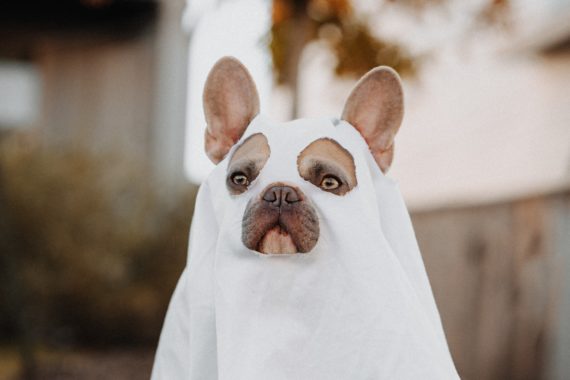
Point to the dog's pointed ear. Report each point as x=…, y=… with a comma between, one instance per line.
x=230, y=103
x=375, y=107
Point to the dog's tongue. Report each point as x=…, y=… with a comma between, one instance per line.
x=277, y=241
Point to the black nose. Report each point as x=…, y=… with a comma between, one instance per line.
x=281, y=195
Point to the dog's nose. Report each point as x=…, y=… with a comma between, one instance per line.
x=281, y=195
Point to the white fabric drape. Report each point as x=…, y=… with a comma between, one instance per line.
x=359, y=306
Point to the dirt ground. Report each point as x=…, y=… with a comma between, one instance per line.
x=85, y=365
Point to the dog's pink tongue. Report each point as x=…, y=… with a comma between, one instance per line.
x=276, y=241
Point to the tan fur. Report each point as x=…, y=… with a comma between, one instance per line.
x=375, y=108
x=328, y=151
x=255, y=148
x=230, y=103
x=249, y=158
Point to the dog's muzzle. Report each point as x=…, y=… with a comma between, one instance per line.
x=280, y=220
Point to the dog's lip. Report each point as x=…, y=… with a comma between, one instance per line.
x=281, y=229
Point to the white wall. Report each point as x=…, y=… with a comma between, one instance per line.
x=20, y=90
x=484, y=121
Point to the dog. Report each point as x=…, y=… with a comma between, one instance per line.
x=303, y=262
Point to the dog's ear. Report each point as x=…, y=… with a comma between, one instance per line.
x=375, y=107
x=230, y=103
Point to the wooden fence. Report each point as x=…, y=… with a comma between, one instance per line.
x=500, y=275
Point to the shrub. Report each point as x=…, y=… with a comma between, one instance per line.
x=89, y=251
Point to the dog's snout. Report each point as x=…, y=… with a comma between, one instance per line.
x=280, y=220
x=281, y=195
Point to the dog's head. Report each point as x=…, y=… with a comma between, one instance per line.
x=278, y=169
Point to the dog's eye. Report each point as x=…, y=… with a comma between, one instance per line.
x=240, y=179
x=330, y=182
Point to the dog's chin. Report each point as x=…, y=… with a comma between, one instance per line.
x=277, y=241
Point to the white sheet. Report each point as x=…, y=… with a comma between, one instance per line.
x=359, y=306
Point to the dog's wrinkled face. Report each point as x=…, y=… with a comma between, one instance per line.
x=281, y=219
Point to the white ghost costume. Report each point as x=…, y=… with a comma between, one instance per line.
x=358, y=306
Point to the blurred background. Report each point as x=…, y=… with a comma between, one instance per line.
x=101, y=154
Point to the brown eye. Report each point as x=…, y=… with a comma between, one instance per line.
x=330, y=183
x=240, y=179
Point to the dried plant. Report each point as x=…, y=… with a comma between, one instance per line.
x=297, y=22
x=355, y=45
x=89, y=252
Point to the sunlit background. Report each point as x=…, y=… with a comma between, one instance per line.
x=101, y=153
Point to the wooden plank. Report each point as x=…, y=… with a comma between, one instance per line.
x=468, y=260
x=533, y=297
x=558, y=362
x=500, y=278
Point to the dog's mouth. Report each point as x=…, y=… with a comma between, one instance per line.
x=287, y=229
x=277, y=240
